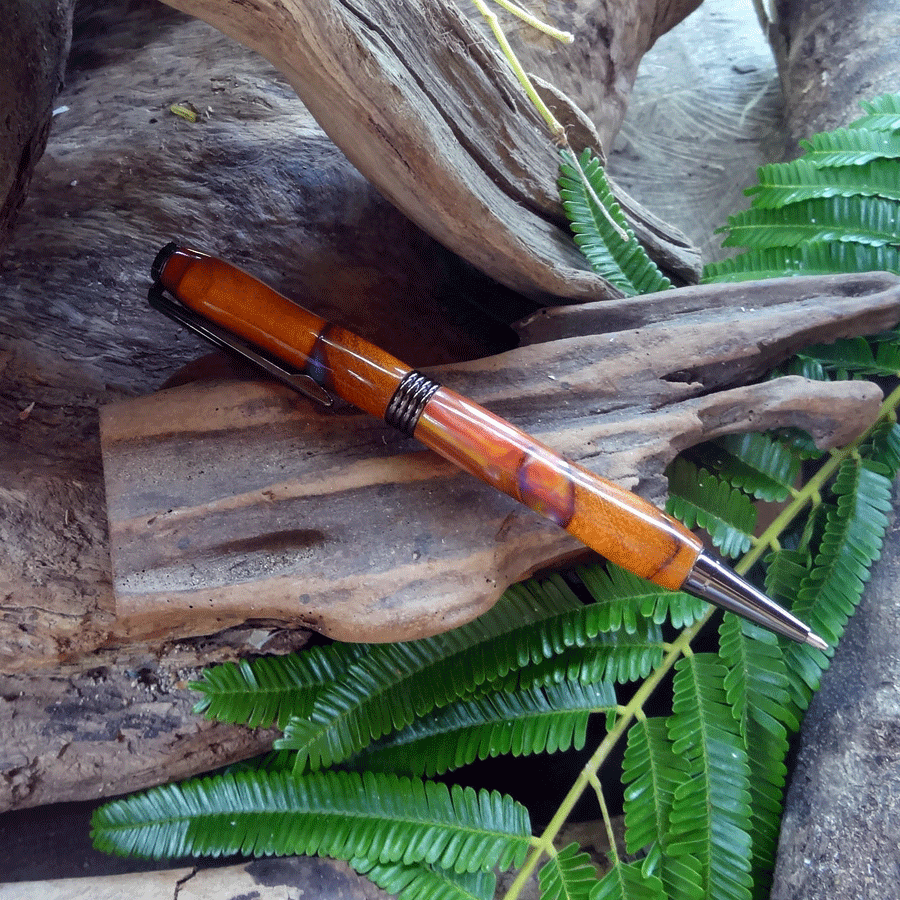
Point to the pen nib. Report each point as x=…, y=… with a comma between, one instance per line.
x=815, y=641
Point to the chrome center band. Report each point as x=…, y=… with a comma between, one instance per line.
x=409, y=400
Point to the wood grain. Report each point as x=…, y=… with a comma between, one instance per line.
x=238, y=501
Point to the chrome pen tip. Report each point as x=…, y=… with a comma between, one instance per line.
x=815, y=641
x=712, y=580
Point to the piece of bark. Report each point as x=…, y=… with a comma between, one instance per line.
x=832, y=55
x=236, y=501
x=35, y=43
x=427, y=109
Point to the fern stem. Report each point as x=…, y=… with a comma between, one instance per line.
x=564, y=37
x=604, y=812
x=556, y=129
x=811, y=491
x=544, y=844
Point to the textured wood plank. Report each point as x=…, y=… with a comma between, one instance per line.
x=239, y=500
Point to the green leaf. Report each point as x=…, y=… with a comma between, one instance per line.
x=395, y=683
x=828, y=595
x=856, y=356
x=697, y=497
x=864, y=220
x=650, y=773
x=710, y=815
x=624, y=264
x=568, y=875
x=807, y=259
x=522, y=723
x=781, y=184
x=629, y=599
x=344, y=815
x=627, y=881
x=851, y=147
x=757, y=686
x=271, y=688
x=757, y=464
x=883, y=114
x=417, y=881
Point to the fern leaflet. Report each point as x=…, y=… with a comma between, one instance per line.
x=625, y=265
x=710, y=815
x=697, y=497
x=416, y=880
x=525, y=722
x=340, y=814
x=568, y=875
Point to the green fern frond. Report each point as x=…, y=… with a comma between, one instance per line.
x=697, y=497
x=864, y=220
x=614, y=657
x=757, y=687
x=651, y=771
x=882, y=114
x=271, y=688
x=344, y=815
x=624, y=264
x=417, y=881
x=807, y=259
x=630, y=600
x=756, y=463
x=627, y=881
x=518, y=724
x=828, y=594
x=856, y=356
x=395, y=683
x=568, y=875
x=850, y=147
x=781, y=184
x=710, y=815
x=883, y=446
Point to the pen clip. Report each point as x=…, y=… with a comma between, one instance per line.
x=224, y=339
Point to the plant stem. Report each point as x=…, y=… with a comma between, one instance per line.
x=544, y=844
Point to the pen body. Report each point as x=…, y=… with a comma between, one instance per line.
x=607, y=518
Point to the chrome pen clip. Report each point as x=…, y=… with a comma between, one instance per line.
x=224, y=339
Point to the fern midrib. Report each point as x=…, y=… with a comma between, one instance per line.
x=543, y=845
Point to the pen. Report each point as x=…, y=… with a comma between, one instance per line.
x=234, y=310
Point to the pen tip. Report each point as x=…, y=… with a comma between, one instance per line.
x=815, y=641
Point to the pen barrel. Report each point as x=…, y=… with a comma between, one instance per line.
x=339, y=360
x=618, y=524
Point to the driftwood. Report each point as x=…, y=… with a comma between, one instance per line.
x=256, y=181
x=426, y=108
x=240, y=501
x=831, y=56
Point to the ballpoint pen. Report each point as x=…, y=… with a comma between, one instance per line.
x=234, y=310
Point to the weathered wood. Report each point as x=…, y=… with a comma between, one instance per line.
x=831, y=56
x=36, y=37
x=410, y=93
x=238, y=501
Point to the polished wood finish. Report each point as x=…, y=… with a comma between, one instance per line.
x=607, y=518
x=616, y=523
x=342, y=362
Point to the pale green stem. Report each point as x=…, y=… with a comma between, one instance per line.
x=543, y=845
x=810, y=493
x=564, y=37
x=557, y=131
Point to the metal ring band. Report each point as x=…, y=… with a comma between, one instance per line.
x=408, y=402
